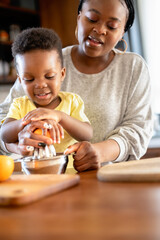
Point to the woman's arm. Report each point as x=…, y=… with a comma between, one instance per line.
x=92, y=156
x=15, y=91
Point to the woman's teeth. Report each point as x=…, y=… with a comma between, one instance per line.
x=98, y=41
x=93, y=42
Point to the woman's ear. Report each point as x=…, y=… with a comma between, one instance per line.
x=63, y=73
x=76, y=30
x=122, y=35
x=78, y=17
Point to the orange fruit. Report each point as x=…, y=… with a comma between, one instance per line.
x=6, y=167
x=39, y=132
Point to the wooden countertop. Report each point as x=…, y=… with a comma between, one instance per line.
x=91, y=210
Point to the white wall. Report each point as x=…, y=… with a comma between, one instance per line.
x=149, y=15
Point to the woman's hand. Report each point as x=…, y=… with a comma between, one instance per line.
x=28, y=140
x=87, y=156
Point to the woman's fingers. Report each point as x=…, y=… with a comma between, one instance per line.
x=27, y=137
x=86, y=156
x=85, y=166
x=31, y=142
x=25, y=150
x=73, y=148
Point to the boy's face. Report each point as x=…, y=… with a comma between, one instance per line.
x=40, y=74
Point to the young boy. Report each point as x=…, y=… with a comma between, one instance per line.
x=39, y=63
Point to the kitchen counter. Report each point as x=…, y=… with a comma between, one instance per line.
x=91, y=210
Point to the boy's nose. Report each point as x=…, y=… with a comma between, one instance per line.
x=40, y=83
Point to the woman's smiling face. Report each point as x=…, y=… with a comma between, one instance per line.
x=40, y=73
x=101, y=25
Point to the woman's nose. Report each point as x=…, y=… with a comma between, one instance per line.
x=100, y=29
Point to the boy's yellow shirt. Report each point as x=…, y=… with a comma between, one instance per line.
x=71, y=104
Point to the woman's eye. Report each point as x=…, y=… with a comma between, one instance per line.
x=111, y=28
x=91, y=20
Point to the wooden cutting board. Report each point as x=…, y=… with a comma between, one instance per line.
x=24, y=189
x=146, y=170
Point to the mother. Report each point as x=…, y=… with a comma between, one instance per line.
x=115, y=87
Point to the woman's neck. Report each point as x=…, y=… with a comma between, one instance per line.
x=90, y=65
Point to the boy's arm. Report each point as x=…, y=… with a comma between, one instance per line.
x=81, y=131
x=10, y=129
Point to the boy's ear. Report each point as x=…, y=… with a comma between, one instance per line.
x=19, y=78
x=63, y=73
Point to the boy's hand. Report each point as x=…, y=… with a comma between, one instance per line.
x=55, y=133
x=41, y=114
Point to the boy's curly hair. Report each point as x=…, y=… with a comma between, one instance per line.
x=37, y=38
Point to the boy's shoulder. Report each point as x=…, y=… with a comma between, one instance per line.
x=69, y=96
x=21, y=99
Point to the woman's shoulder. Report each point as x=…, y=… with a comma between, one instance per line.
x=130, y=57
x=67, y=50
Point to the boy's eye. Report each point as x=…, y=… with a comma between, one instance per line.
x=50, y=76
x=28, y=79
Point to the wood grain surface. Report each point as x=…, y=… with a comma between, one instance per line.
x=92, y=210
x=24, y=189
x=146, y=170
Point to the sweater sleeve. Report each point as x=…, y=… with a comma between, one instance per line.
x=15, y=91
x=135, y=130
